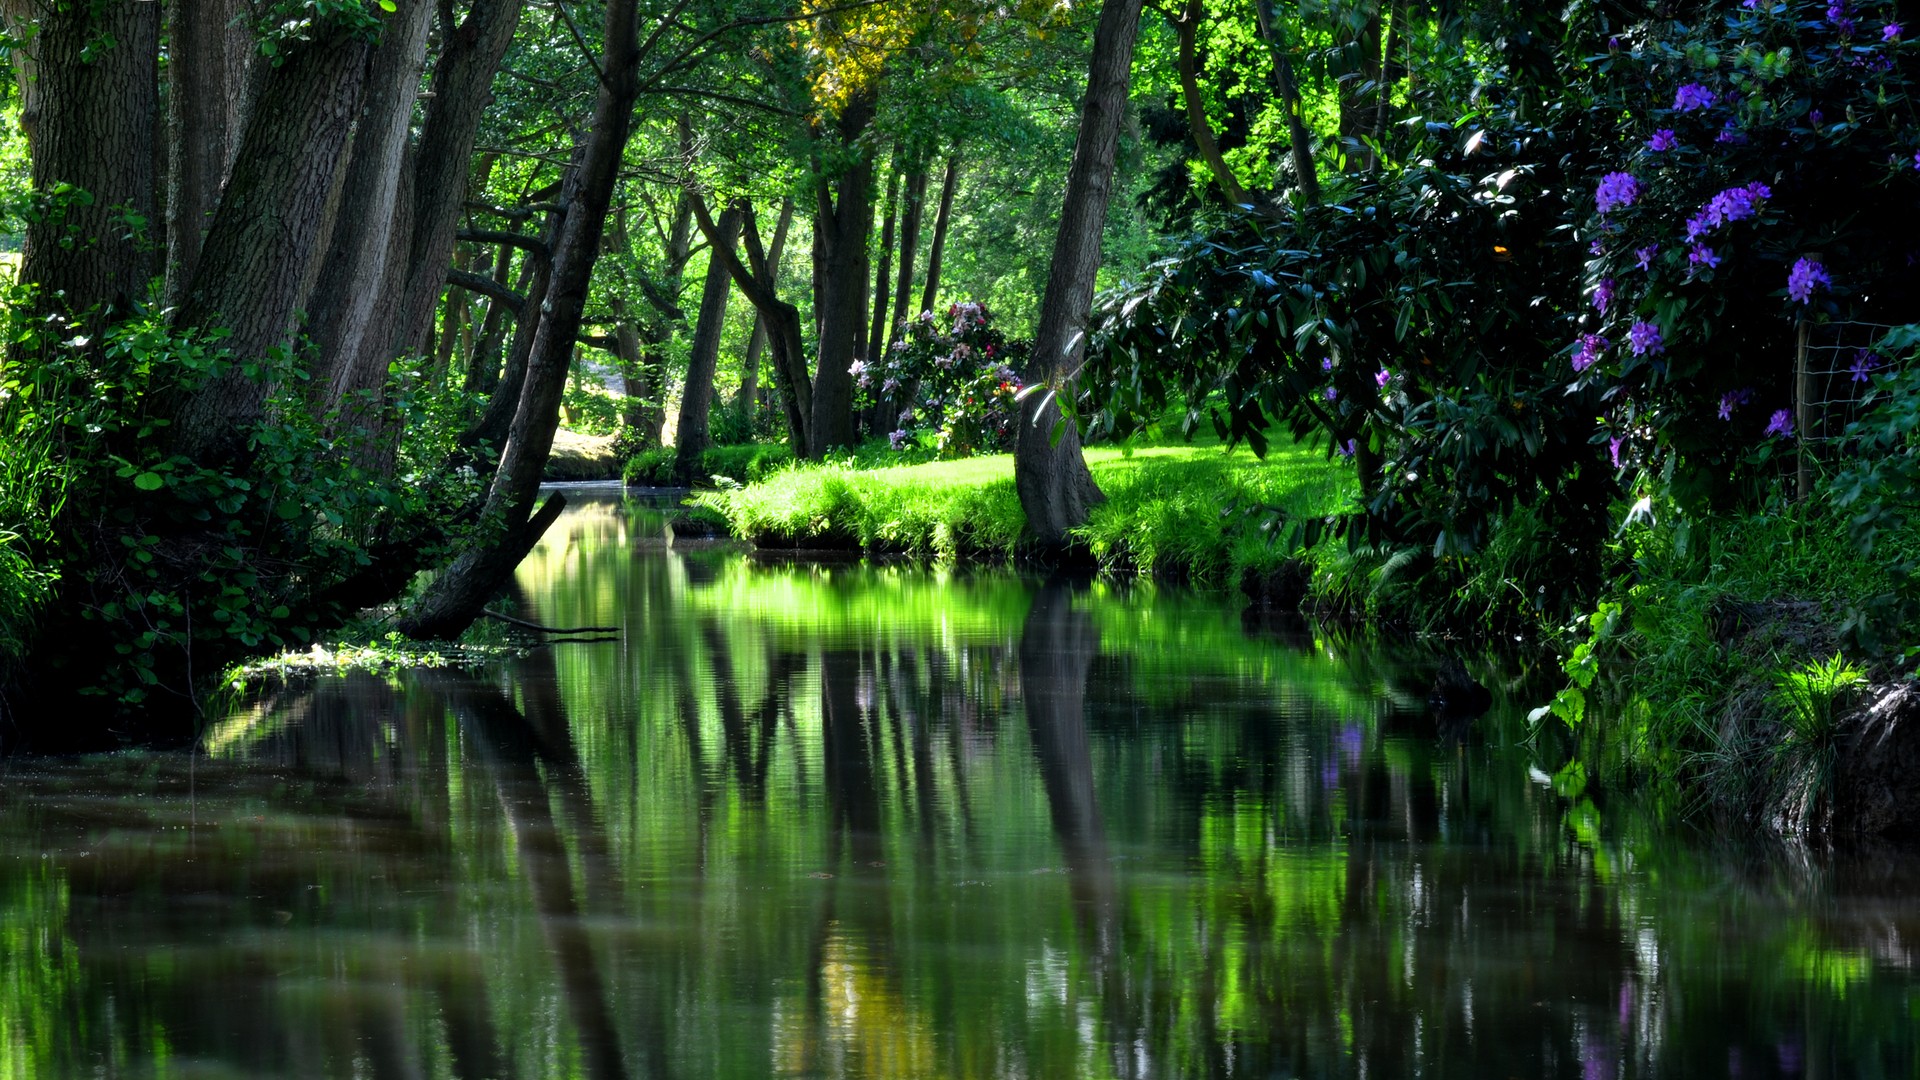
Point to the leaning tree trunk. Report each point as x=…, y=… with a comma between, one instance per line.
x=1049, y=471
x=940, y=220
x=883, y=273
x=263, y=250
x=90, y=114
x=755, y=279
x=462, y=89
x=748, y=403
x=1185, y=27
x=457, y=596
x=1298, y=139
x=842, y=221
x=692, y=435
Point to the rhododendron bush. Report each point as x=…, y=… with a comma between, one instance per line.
x=1592, y=295
x=948, y=383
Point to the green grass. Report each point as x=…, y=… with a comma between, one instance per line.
x=743, y=463
x=1198, y=512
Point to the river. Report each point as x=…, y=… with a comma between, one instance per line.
x=812, y=818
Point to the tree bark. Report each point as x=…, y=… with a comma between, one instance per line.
x=491, y=429
x=947, y=187
x=462, y=89
x=883, y=274
x=692, y=435
x=89, y=112
x=842, y=221
x=353, y=276
x=261, y=255
x=456, y=597
x=1185, y=28
x=748, y=401
x=755, y=279
x=205, y=75
x=483, y=369
x=1298, y=139
x=1358, y=104
x=909, y=249
x=1056, y=490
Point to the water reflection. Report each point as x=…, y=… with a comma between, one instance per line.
x=834, y=820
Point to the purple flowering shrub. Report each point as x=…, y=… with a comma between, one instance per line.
x=1770, y=156
x=948, y=383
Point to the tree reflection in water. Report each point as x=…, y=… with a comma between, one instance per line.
x=825, y=820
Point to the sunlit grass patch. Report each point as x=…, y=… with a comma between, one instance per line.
x=1193, y=511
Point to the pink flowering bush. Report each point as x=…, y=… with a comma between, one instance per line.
x=948, y=384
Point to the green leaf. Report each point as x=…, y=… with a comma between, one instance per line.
x=149, y=481
x=389, y=6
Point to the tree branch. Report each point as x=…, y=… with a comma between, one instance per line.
x=486, y=286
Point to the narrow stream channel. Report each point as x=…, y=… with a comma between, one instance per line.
x=829, y=819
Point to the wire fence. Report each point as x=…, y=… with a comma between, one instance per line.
x=1836, y=366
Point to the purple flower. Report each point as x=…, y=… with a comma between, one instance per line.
x=1916, y=159
x=1327, y=364
x=1750, y=5
x=1702, y=257
x=1613, y=449
x=1644, y=256
x=1644, y=339
x=1591, y=346
x=1381, y=377
x=1662, y=140
x=1330, y=393
x=1806, y=276
x=1692, y=96
x=1698, y=224
x=1890, y=33
x=1596, y=249
x=1781, y=424
x=1345, y=449
x=898, y=439
x=1732, y=400
x=1603, y=295
x=1617, y=189
x=890, y=386
x=1864, y=363
x=1731, y=134
x=1816, y=118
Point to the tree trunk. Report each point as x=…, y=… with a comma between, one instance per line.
x=204, y=74
x=1298, y=139
x=263, y=251
x=909, y=248
x=462, y=89
x=491, y=430
x=1056, y=490
x=90, y=113
x=947, y=187
x=483, y=368
x=1358, y=104
x=692, y=437
x=755, y=280
x=1185, y=28
x=456, y=597
x=748, y=401
x=353, y=276
x=883, y=274
x=842, y=222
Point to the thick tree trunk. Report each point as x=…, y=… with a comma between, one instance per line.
x=748, y=401
x=353, y=276
x=842, y=222
x=755, y=279
x=940, y=220
x=1056, y=490
x=462, y=89
x=692, y=436
x=1298, y=139
x=262, y=253
x=456, y=597
x=1185, y=28
x=205, y=77
x=90, y=113
x=909, y=248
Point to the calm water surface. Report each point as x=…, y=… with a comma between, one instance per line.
x=806, y=819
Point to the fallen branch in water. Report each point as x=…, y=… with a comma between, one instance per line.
x=550, y=629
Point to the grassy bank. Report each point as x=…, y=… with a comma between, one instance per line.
x=1197, y=512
